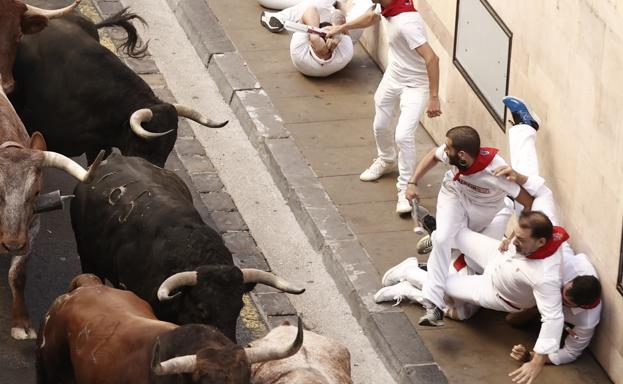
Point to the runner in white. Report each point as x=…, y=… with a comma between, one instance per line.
x=528, y=274
x=311, y=54
x=411, y=81
x=470, y=196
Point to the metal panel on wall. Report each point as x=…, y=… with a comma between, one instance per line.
x=482, y=48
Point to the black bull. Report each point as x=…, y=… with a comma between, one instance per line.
x=81, y=96
x=135, y=224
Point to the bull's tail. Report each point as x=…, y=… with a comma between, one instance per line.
x=131, y=46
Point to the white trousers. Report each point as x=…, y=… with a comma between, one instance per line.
x=478, y=289
x=455, y=213
x=524, y=159
x=295, y=13
x=457, y=310
x=412, y=102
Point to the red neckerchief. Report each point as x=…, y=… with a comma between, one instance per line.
x=484, y=158
x=558, y=237
x=397, y=7
x=460, y=262
x=591, y=305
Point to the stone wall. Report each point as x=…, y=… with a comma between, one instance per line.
x=567, y=62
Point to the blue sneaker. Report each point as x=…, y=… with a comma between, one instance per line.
x=520, y=111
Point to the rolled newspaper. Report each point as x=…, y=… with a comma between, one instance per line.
x=417, y=226
x=298, y=27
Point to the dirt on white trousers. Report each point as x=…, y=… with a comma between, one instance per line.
x=454, y=213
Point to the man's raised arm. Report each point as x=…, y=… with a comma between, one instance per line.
x=425, y=165
x=364, y=21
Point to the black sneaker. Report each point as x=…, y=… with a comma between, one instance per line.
x=270, y=22
x=432, y=318
x=424, y=245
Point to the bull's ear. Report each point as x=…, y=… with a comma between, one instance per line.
x=33, y=23
x=37, y=142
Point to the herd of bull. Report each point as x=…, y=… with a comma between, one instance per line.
x=171, y=317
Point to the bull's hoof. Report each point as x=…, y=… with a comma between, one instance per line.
x=23, y=333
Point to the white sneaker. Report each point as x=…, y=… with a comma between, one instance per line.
x=403, y=205
x=378, y=168
x=398, y=273
x=271, y=22
x=399, y=292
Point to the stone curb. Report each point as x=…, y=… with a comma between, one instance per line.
x=212, y=201
x=389, y=329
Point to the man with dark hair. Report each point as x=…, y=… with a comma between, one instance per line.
x=581, y=297
x=582, y=291
x=538, y=222
x=470, y=196
x=466, y=139
x=526, y=275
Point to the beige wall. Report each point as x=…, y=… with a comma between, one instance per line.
x=567, y=62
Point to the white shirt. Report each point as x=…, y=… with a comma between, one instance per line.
x=528, y=282
x=307, y=62
x=584, y=320
x=405, y=33
x=480, y=188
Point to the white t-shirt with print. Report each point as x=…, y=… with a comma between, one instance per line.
x=480, y=188
x=405, y=33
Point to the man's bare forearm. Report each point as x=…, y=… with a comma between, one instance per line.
x=364, y=21
x=432, y=68
x=525, y=199
x=425, y=165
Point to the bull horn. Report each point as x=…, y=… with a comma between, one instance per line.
x=275, y=352
x=56, y=160
x=53, y=13
x=180, y=279
x=194, y=115
x=141, y=116
x=252, y=275
x=175, y=365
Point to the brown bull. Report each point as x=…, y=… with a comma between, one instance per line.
x=17, y=19
x=21, y=159
x=101, y=335
x=319, y=361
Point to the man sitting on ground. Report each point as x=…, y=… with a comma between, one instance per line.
x=312, y=54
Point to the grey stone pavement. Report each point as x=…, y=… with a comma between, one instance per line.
x=315, y=137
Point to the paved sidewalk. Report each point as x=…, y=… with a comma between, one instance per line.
x=329, y=121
